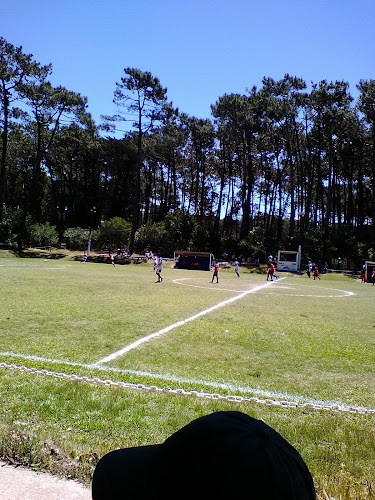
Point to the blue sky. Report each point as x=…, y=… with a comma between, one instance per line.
x=199, y=49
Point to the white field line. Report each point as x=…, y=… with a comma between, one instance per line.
x=244, y=391
x=167, y=329
x=34, y=266
x=215, y=288
x=344, y=293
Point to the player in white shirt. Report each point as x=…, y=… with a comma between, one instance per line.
x=159, y=268
x=237, y=267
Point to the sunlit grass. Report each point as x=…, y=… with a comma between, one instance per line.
x=298, y=338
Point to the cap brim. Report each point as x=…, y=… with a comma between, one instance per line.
x=122, y=473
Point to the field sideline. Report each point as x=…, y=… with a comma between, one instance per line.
x=94, y=357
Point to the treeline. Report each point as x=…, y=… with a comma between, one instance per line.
x=275, y=167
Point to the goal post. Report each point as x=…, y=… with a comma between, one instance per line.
x=288, y=260
x=370, y=266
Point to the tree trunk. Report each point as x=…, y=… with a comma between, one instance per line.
x=137, y=197
x=4, y=155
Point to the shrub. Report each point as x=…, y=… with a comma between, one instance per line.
x=43, y=235
x=114, y=233
x=256, y=244
x=11, y=225
x=153, y=237
x=180, y=227
x=201, y=239
x=76, y=238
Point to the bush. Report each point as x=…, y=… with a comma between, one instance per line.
x=180, y=227
x=201, y=239
x=11, y=225
x=43, y=235
x=179, y=231
x=227, y=244
x=76, y=238
x=153, y=237
x=256, y=244
x=113, y=234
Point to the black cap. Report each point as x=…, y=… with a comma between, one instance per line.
x=224, y=455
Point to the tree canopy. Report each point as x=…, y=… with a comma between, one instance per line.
x=273, y=167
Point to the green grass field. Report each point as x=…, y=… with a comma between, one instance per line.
x=305, y=349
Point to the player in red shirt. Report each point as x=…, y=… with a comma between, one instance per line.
x=316, y=273
x=271, y=271
x=216, y=273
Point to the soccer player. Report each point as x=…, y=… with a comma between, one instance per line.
x=309, y=268
x=271, y=271
x=269, y=265
x=236, y=267
x=216, y=273
x=316, y=273
x=159, y=268
x=363, y=274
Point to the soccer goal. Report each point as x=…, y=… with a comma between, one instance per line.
x=193, y=260
x=288, y=260
x=370, y=266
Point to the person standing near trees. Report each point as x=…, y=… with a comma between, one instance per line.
x=309, y=268
x=159, y=268
x=111, y=259
x=271, y=268
x=216, y=273
x=237, y=267
x=316, y=273
x=363, y=274
x=271, y=272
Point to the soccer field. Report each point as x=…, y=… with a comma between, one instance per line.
x=121, y=360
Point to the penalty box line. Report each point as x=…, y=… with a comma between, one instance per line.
x=167, y=329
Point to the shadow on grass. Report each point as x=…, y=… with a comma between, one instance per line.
x=51, y=253
x=27, y=254
x=104, y=260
